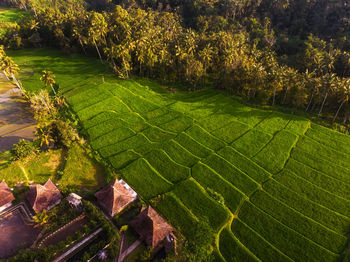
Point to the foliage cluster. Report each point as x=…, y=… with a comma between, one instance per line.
x=23, y=149
x=222, y=44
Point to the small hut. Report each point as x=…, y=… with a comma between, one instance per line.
x=151, y=227
x=6, y=196
x=115, y=197
x=74, y=200
x=43, y=197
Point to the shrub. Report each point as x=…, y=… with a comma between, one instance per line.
x=23, y=149
x=63, y=133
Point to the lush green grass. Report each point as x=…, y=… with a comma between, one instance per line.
x=81, y=172
x=74, y=170
x=203, y=157
x=9, y=18
x=35, y=168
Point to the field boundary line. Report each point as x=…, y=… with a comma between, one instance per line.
x=296, y=232
x=301, y=214
x=307, y=199
x=268, y=242
x=243, y=246
x=208, y=133
x=261, y=149
x=250, y=161
x=320, y=172
x=155, y=170
x=318, y=187
x=137, y=95
x=133, y=134
x=184, y=149
x=249, y=178
x=184, y=132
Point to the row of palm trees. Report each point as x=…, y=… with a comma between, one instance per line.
x=155, y=44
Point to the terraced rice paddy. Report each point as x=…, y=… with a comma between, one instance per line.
x=285, y=181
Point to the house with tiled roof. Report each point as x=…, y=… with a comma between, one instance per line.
x=115, y=197
x=6, y=196
x=43, y=197
x=151, y=227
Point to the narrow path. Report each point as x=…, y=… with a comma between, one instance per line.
x=129, y=250
x=77, y=246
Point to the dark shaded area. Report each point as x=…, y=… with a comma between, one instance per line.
x=15, y=233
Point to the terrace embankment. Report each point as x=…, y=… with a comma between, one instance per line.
x=16, y=120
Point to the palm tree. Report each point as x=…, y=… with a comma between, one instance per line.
x=329, y=81
x=49, y=79
x=346, y=96
x=41, y=218
x=97, y=31
x=10, y=68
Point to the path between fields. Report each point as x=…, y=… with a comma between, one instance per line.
x=16, y=120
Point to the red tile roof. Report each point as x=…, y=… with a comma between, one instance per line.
x=43, y=197
x=151, y=227
x=114, y=197
x=6, y=195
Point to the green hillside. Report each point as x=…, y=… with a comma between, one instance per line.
x=271, y=186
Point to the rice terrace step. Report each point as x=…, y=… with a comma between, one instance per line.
x=267, y=186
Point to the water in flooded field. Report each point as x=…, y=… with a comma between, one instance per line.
x=16, y=120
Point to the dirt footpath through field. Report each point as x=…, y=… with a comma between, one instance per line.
x=16, y=120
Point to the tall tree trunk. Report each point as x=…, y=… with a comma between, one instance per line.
x=308, y=106
x=126, y=69
x=274, y=96
x=98, y=51
x=336, y=115
x=18, y=84
x=82, y=46
x=324, y=101
x=346, y=117
x=5, y=74
x=53, y=89
x=285, y=96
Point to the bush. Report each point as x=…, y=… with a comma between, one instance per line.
x=23, y=149
x=63, y=133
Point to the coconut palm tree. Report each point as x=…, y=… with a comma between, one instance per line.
x=41, y=218
x=49, y=79
x=10, y=69
x=97, y=31
x=345, y=93
x=329, y=82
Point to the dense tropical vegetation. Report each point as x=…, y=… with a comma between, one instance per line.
x=240, y=183
x=291, y=53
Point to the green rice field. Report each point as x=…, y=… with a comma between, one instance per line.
x=285, y=181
